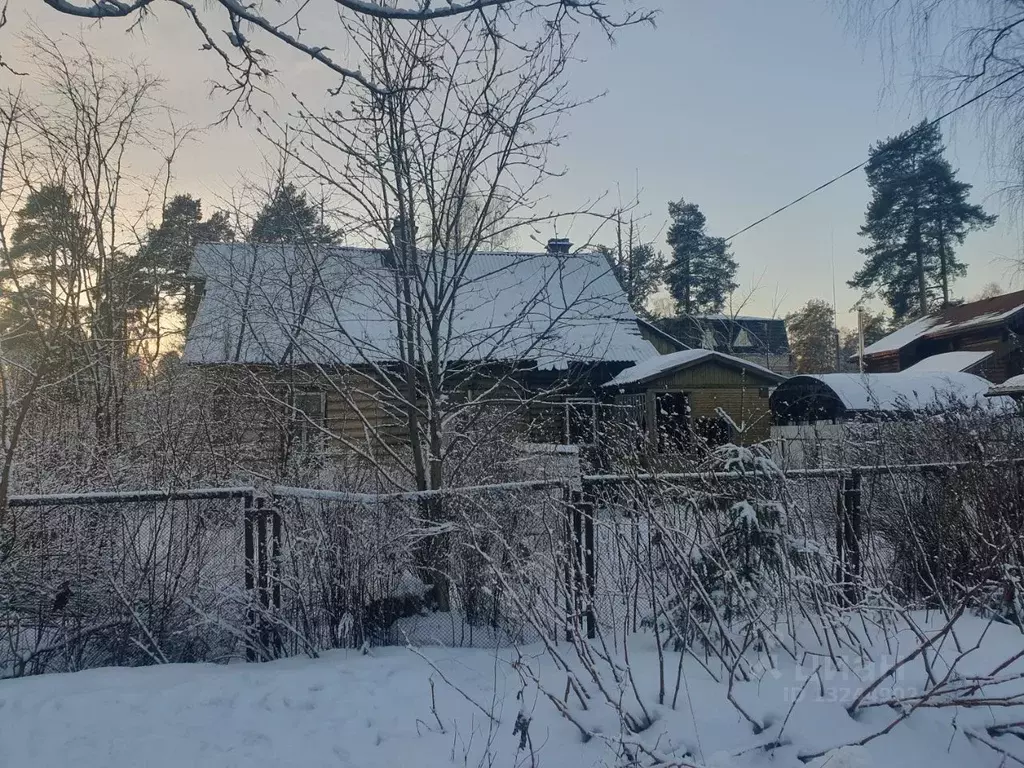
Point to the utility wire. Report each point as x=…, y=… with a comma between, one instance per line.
x=857, y=167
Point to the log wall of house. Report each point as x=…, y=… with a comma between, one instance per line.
x=886, y=362
x=1007, y=359
x=360, y=413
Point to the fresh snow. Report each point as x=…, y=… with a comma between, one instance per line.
x=900, y=338
x=661, y=364
x=737, y=318
x=933, y=325
x=905, y=390
x=1013, y=385
x=333, y=306
x=949, y=362
x=432, y=708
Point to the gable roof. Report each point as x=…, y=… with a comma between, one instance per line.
x=726, y=333
x=952, y=320
x=336, y=305
x=656, y=367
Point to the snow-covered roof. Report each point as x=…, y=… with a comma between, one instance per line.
x=950, y=362
x=337, y=305
x=1012, y=386
x=729, y=334
x=900, y=338
x=737, y=318
x=953, y=319
x=903, y=391
x=654, y=367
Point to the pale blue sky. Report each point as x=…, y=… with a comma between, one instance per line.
x=737, y=105
x=742, y=106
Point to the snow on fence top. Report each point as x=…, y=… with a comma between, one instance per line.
x=654, y=367
x=949, y=362
x=953, y=319
x=326, y=305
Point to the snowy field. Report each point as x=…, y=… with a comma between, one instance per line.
x=459, y=707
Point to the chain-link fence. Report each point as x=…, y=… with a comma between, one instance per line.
x=412, y=568
x=212, y=575
x=100, y=579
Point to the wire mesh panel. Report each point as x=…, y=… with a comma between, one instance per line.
x=212, y=575
x=338, y=563
x=428, y=569
x=105, y=579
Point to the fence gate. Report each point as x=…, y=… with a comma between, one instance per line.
x=262, y=578
x=580, y=564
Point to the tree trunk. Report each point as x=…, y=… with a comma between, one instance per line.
x=687, y=288
x=943, y=267
x=918, y=249
x=922, y=289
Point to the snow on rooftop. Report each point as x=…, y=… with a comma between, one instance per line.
x=736, y=318
x=949, y=362
x=1012, y=386
x=277, y=304
x=661, y=364
x=900, y=338
x=952, y=319
x=904, y=391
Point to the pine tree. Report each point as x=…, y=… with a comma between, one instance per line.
x=167, y=253
x=289, y=217
x=701, y=271
x=812, y=337
x=919, y=212
x=640, y=275
x=44, y=281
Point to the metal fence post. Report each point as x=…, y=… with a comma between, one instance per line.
x=249, y=524
x=853, y=545
x=572, y=563
x=275, y=573
x=587, y=507
x=580, y=568
x=848, y=538
x=262, y=574
x=840, y=577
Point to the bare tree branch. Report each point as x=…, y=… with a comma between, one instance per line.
x=247, y=64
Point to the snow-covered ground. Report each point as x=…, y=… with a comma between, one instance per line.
x=434, y=707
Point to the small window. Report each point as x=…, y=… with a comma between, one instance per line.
x=742, y=340
x=307, y=418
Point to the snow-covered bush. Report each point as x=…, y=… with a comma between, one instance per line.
x=724, y=559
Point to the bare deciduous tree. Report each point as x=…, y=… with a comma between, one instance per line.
x=414, y=339
x=233, y=30
x=78, y=317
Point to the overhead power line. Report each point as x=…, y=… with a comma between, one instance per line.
x=857, y=167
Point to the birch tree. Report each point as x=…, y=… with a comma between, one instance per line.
x=452, y=155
